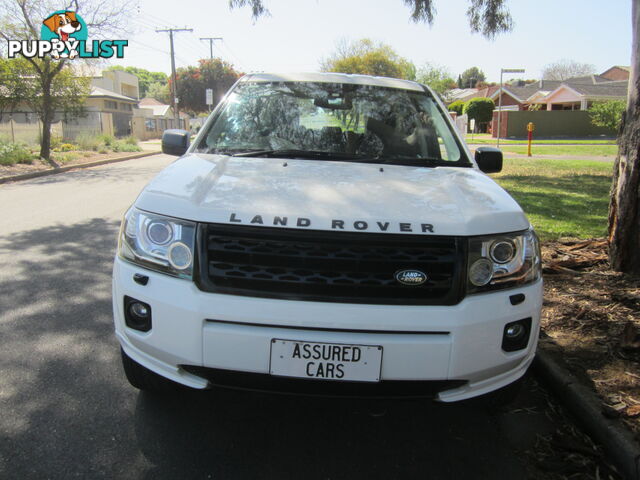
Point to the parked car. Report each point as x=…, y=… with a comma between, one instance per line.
x=329, y=234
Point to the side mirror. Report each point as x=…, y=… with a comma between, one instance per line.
x=489, y=159
x=175, y=142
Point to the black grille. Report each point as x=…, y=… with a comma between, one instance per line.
x=328, y=266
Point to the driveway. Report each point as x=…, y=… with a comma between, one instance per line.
x=67, y=410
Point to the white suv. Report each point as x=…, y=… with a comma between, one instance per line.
x=330, y=234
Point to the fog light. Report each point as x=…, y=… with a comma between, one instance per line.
x=481, y=272
x=516, y=335
x=137, y=314
x=139, y=310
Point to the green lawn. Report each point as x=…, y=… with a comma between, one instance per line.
x=485, y=139
x=575, y=150
x=562, y=198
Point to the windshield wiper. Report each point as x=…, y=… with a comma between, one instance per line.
x=306, y=154
x=419, y=162
x=320, y=155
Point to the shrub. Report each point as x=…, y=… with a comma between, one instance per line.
x=12, y=153
x=102, y=149
x=457, y=107
x=56, y=141
x=108, y=140
x=131, y=140
x=607, y=114
x=124, y=146
x=67, y=147
x=480, y=108
x=88, y=142
x=67, y=157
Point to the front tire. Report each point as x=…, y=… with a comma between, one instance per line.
x=144, y=379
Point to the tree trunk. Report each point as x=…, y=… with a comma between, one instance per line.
x=624, y=207
x=47, y=118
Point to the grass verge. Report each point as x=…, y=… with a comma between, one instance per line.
x=575, y=150
x=562, y=198
x=485, y=139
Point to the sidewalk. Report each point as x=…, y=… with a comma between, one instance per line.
x=25, y=172
x=154, y=145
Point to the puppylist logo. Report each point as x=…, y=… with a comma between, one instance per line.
x=64, y=34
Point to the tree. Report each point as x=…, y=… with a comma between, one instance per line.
x=145, y=77
x=457, y=106
x=194, y=80
x=480, y=109
x=14, y=89
x=564, y=69
x=471, y=77
x=68, y=91
x=53, y=79
x=607, y=114
x=370, y=58
x=488, y=17
x=160, y=92
x=521, y=81
x=624, y=206
x=491, y=17
x=436, y=77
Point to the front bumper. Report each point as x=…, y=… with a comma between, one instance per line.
x=193, y=331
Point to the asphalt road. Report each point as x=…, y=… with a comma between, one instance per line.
x=66, y=410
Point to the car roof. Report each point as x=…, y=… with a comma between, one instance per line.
x=355, y=79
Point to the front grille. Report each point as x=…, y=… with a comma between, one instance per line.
x=328, y=266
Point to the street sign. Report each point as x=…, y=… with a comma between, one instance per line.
x=472, y=124
x=209, y=95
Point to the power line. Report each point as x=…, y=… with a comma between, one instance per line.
x=194, y=46
x=174, y=84
x=211, y=40
x=150, y=47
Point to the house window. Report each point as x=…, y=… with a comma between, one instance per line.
x=111, y=104
x=125, y=106
x=150, y=124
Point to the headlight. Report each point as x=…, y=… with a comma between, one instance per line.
x=156, y=242
x=503, y=261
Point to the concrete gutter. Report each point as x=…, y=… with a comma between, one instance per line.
x=618, y=442
x=54, y=171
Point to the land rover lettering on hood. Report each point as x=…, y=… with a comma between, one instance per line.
x=328, y=234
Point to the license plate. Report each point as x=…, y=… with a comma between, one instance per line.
x=326, y=361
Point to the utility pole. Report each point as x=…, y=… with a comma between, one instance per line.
x=503, y=71
x=211, y=40
x=174, y=84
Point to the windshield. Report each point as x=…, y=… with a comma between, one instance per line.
x=332, y=121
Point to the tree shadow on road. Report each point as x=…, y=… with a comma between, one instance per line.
x=67, y=410
x=61, y=386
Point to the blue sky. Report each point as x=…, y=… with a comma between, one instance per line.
x=299, y=33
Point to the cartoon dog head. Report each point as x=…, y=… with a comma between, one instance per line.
x=63, y=24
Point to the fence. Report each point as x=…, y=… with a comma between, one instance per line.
x=26, y=132
x=548, y=124
x=27, y=128
x=90, y=125
x=147, y=128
